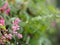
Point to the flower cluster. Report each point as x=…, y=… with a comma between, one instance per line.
x=4, y=36
x=16, y=27
x=4, y=8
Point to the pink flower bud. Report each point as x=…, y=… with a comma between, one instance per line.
x=10, y=36
x=15, y=27
x=8, y=11
x=2, y=21
x=16, y=21
x=5, y=6
x=19, y=35
x=3, y=37
x=14, y=32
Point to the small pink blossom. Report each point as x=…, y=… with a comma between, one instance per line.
x=1, y=42
x=15, y=27
x=14, y=32
x=1, y=9
x=9, y=36
x=8, y=11
x=6, y=35
x=19, y=35
x=3, y=37
x=16, y=21
x=5, y=6
x=2, y=21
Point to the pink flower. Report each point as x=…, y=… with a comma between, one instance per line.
x=3, y=37
x=1, y=42
x=5, y=6
x=19, y=35
x=2, y=21
x=15, y=27
x=2, y=9
x=9, y=36
x=6, y=35
x=8, y=11
x=14, y=32
x=16, y=21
